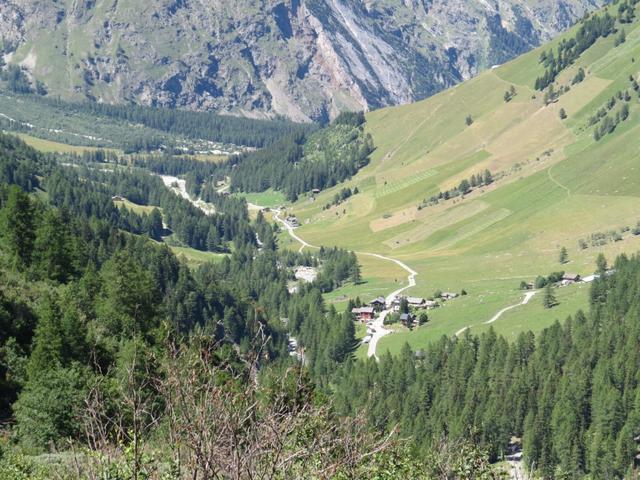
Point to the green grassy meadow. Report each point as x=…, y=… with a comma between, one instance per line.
x=269, y=198
x=49, y=146
x=194, y=257
x=555, y=185
x=134, y=207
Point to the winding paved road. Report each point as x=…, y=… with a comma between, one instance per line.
x=378, y=323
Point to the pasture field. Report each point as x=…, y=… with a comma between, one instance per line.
x=269, y=198
x=555, y=186
x=49, y=146
x=194, y=257
x=134, y=207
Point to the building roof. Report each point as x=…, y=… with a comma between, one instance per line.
x=415, y=300
x=361, y=310
x=406, y=316
x=378, y=300
x=571, y=276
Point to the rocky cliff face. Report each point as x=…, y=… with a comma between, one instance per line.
x=305, y=59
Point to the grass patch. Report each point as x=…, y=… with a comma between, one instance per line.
x=194, y=257
x=269, y=198
x=134, y=207
x=49, y=146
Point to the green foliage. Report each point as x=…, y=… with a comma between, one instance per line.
x=301, y=163
x=341, y=196
x=17, y=80
x=195, y=125
x=593, y=28
x=48, y=407
x=125, y=310
x=465, y=186
x=18, y=230
x=14, y=466
x=579, y=77
x=620, y=38
x=564, y=255
x=571, y=394
x=549, y=300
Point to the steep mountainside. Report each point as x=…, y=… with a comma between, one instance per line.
x=306, y=59
x=480, y=187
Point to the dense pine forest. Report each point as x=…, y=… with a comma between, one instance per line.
x=572, y=394
x=131, y=128
x=301, y=163
x=121, y=362
x=196, y=125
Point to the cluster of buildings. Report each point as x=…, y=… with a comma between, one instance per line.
x=567, y=279
x=368, y=312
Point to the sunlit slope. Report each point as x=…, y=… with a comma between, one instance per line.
x=556, y=184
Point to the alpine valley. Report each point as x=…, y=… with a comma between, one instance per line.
x=320, y=239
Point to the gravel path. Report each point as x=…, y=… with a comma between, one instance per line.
x=528, y=296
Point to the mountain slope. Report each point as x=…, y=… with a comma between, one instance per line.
x=554, y=184
x=306, y=59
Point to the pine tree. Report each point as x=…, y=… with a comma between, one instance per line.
x=356, y=275
x=488, y=178
x=53, y=254
x=48, y=342
x=18, y=227
x=564, y=255
x=155, y=225
x=549, y=300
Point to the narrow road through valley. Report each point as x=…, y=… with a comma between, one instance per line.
x=528, y=296
x=378, y=323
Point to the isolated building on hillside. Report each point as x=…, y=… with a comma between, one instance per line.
x=570, y=278
x=448, y=295
x=292, y=221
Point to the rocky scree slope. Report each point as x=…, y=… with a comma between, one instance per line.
x=304, y=59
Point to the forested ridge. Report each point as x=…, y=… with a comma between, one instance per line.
x=196, y=125
x=302, y=162
x=591, y=30
x=572, y=394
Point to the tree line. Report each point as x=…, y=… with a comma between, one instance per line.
x=591, y=29
x=301, y=163
x=194, y=125
x=572, y=394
